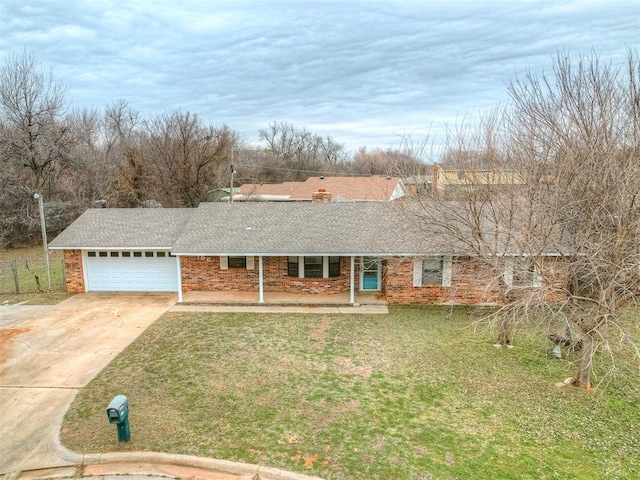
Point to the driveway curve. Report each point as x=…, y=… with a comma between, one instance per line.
x=48, y=353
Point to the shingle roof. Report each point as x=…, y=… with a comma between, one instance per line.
x=249, y=228
x=122, y=228
x=296, y=228
x=341, y=188
x=270, y=228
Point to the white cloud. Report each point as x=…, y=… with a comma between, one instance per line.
x=362, y=72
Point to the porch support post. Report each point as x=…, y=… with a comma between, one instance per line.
x=179, y=279
x=352, y=298
x=261, y=280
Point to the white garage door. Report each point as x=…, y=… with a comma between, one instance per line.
x=109, y=271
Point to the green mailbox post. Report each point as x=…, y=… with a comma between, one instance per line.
x=118, y=413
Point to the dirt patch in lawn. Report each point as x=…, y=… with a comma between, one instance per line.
x=347, y=367
x=319, y=335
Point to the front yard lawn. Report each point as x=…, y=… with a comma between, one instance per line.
x=416, y=394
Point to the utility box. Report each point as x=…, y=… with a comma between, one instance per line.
x=118, y=413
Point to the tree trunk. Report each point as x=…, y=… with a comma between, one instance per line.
x=582, y=377
x=503, y=336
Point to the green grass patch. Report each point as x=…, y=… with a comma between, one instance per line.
x=415, y=394
x=31, y=270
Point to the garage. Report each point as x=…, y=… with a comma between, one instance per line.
x=130, y=271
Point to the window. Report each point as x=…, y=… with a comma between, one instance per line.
x=237, y=262
x=432, y=271
x=91, y=254
x=292, y=266
x=334, y=266
x=126, y=254
x=161, y=254
x=137, y=254
x=313, y=267
x=148, y=254
x=115, y=254
x=102, y=254
x=524, y=272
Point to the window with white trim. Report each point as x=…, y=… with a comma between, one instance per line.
x=313, y=267
x=522, y=272
x=334, y=266
x=237, y=262
x=227, y=262
x=432, y=271
x=292, y=266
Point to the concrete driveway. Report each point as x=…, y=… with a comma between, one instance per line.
x=47, y=353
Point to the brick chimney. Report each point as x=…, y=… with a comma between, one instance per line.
x=321, y=196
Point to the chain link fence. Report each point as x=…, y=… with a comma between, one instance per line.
x=29, y=275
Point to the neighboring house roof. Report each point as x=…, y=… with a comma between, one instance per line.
x=341, y=189
x=124, y=228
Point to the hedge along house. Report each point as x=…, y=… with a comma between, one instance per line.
x=260, y=248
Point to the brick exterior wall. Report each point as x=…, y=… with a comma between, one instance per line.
x=204, y=274
x=74, y=273
x=470, y=285
x=472, y=282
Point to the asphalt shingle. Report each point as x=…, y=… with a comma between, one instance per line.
x=294, y=228
x=255, y=228
x=124, y=228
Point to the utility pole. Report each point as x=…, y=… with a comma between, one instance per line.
x=38, y=197
x=233, y=170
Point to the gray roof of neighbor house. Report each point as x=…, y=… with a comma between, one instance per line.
x=124, y=228
x=374, y=228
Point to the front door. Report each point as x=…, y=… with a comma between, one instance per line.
x=369, y=274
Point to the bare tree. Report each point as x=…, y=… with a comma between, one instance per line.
x=185, y=156
x=32, y=105
x=580, y=129
x=34, y=148
x=297, y=153
x=559, y=241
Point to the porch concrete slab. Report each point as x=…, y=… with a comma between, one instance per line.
x=281, y=298
x=362, y=310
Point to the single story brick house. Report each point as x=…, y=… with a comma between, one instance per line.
x=303, y=248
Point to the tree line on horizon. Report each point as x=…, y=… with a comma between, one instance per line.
x=77, y=156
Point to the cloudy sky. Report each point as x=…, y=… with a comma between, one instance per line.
x=364, y=72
